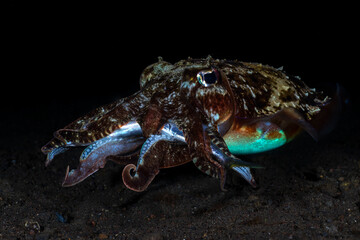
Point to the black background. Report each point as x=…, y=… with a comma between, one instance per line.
x=60, y=54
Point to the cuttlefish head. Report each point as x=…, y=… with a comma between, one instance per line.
x=209, y=90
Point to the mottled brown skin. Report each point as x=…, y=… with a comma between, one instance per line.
x=245, y=92
x=162, y=155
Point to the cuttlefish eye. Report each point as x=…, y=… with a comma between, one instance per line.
x=208, y=78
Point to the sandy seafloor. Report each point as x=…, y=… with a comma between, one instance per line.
x=308, y=189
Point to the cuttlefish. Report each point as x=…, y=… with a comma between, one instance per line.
x=207, y=111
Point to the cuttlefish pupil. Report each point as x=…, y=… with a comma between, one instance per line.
x=208, y=78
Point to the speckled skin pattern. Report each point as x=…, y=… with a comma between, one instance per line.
x=240, y=94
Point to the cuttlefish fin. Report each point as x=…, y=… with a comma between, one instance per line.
x=326, y=120
x=291, y=121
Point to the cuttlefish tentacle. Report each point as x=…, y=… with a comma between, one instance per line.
x=137, y=178
x=199, y=144
x=152, y=158
x=122, y=141
x=55, y=151
x=153, y=118
x=216, y=161
x=79, y=125
x=95, y=130
x=98, y=124
x=208, y=149
x=222, y=153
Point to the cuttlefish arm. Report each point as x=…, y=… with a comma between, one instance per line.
x=169, y=148
x=59, y=144
x=157, y=153
x=207, y=148
x=121, y=143
x=96, y=125
x=222, y=154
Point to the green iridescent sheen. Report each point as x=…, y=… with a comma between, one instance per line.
x=241, y=145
